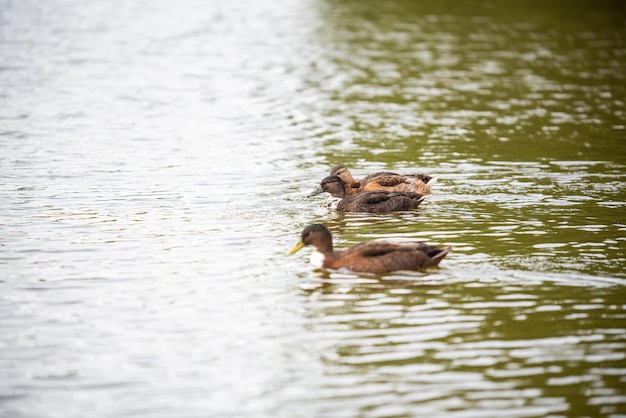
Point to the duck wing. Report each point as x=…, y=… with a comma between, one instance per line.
x=432, y=251
x=372, y=248
x=383, y=256
x=371, y=197
x=373, y=176
x=404, y=200
x=380, y=201
x=372, y=201
x=417, y=183
x=387, y=181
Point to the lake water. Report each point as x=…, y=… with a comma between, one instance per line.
x=155, y=162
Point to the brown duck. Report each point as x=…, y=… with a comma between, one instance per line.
x=393, y=182
x=370, y=201
x=370, y=256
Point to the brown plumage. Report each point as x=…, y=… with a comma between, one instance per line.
x=393, y=182
x=370, y=256
x=370, y=201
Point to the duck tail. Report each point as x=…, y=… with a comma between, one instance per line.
x=440, y=255
x=432, y=181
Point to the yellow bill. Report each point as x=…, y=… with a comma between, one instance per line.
x=296, y=248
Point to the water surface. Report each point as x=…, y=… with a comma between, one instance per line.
x=155, y=161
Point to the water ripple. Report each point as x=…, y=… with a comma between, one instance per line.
x=155, y=168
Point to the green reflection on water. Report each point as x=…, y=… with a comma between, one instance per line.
x=485, y=341
x=518, y=106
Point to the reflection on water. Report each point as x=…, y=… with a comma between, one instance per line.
x=438, y=346
x=155, y=164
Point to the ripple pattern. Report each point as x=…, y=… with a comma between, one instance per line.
x=154, y=166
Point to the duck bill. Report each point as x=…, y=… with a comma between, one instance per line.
x=296, y=248
x=316, y=192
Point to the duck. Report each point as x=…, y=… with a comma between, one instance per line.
x=369, y=256
x=370, y=201
x=385, y=180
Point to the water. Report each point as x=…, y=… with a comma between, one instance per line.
x=155, y=161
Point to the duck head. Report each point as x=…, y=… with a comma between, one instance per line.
x=317, y=235
x=332, y=185
x=343, y=173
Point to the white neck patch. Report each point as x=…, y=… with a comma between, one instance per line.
x=317, y=259
x=333, y=202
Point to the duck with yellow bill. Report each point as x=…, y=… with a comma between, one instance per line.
x=369, y=256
